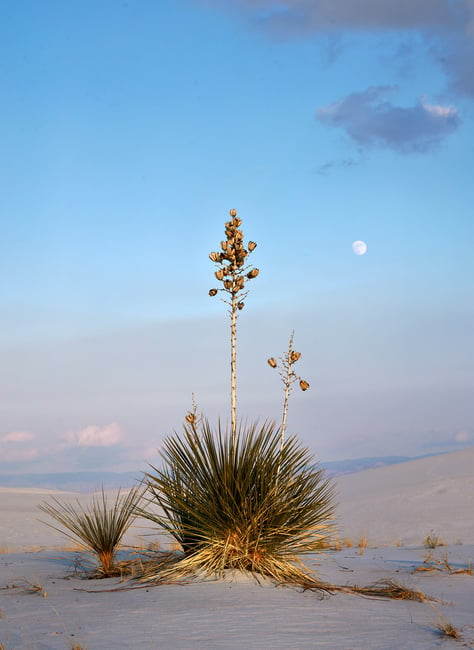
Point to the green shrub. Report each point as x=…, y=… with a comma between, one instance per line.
x=98, y=528
x=245, y=505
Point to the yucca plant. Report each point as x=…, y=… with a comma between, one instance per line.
x=239, y=499
x=240, y=503
x=98, y=528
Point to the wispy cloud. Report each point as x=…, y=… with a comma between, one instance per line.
x=18, y=455
x=15, y=447
x=455, y=56
x=447, y=27
x=463, y=436
x=302, y=16
x=331, y=165
x=372, y=121
x=92, y=447
x=17, y=436
x=434, y=441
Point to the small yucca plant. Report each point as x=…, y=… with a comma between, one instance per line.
x=243, y=504
x=98, y=528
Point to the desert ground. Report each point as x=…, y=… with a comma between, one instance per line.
x=385, y=517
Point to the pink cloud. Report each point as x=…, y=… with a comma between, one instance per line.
x=18, y=455
x=462, y=436
x=17, y=436
x=96, y=436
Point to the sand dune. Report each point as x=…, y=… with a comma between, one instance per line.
x=405, y=502
x=402, y=502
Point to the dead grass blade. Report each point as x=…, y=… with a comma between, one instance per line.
x=391, y=589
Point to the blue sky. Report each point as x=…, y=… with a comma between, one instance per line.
x=128, y=131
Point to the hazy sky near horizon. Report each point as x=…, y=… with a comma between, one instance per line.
x=128, y=131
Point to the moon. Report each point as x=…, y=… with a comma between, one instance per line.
x=359, y=247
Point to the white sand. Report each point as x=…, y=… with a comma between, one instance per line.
x=403, y=502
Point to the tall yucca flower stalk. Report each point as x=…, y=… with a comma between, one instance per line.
x=288, y=377
x=234, y=273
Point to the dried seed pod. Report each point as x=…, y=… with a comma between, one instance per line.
x=252, y=246
x=304, y=384
x=295, y=356
x=271, y=362
x=212, y=292
x=253, y=273
x=233, y=213
x=224, y=245
x=228, y=284
x=240, y=305
x=191, y=418
x=236, y=222
x=215, y=257
x=219, y=274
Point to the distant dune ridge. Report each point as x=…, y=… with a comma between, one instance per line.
x=88, y=481
x=406, y=501
x=396, y=503
x=71, y=481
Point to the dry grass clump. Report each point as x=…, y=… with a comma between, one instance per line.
x=441, y=562
x=391, y=589
x=432, y=540
x=448, y=630
x=98, y=528
x=388, y=589
x=362, y=544
x=445, y=628
x=4, y=548
x=467, y=571
x=245, y=505
x=27, y=587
